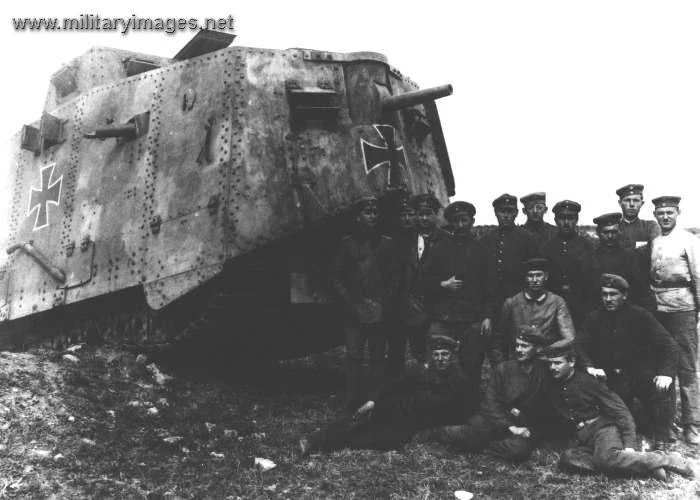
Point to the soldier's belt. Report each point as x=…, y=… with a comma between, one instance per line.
x=666, y=285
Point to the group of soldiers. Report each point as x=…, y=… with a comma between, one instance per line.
x=574, y=330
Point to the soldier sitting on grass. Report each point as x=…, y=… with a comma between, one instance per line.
x=420, y=399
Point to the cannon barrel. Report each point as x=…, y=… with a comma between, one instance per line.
x=127, y=130
x=415, y=97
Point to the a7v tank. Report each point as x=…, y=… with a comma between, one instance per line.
x=159, y=199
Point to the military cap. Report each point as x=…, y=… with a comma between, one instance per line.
x=531, y=334
x=459, y=207
x=614, y=281
x=505, y=201
x=536, y=264
x=630, y=189
x=666, y=201
x=534, y=198
x=567, y=350
x=608, y=219
x=443, y=342
x=566, y=206
x=364, y=202
x=425, y=200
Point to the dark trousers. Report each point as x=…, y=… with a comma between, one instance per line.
x=472, y=348
x=479, y=435
x=603, y=451
x=356, y=336
x=362, y=433
x=401, y=333
x=683, y=328
x=658, y=405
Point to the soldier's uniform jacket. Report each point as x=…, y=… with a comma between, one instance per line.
x=542, y=233
x=587, y=405
x=515, y=396
x=423, y=398
x=566, y=273
x=505, y=252
x=638, y=233
x=615, y=260
x=410, y=307
x=675, y=271
x=365, y=272
x=464, y=258
x=627, y=341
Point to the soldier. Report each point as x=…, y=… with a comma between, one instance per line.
x=365, y=278
x=635, y=232
x=534, y=207
x=533, y=307
x=610, y=257
x=675, y=282
x=565, y=253
x=602, y=426
x=514, y=413
x=456, y=292
x=507, y=246
x=421, y=399
x=625, y=345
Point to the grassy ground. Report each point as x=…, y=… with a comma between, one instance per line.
x=103, y=427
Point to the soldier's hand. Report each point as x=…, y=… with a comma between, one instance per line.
x=597, y=372
x=662, y=382
x=519, y=431
x=365, y=408
x=452, y=284
x=486, y=327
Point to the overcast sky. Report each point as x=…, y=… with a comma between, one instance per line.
x=572, y=98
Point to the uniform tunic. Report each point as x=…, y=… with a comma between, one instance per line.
x=542, y=232
x=506, y=249
x=638, y=233
x=566, y=273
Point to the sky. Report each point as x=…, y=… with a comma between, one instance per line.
x=568, y=97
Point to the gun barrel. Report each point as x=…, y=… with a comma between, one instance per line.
x=415, y=97
x=128, y=130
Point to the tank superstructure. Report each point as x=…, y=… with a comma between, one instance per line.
x=155, y=196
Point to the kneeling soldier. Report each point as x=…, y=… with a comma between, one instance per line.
x=421, y=399
x=602, y=425
x=625, y=345
x=515, y=411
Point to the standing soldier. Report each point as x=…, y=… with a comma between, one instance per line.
x=365, y=279
x=507, y=246
x=565, y=252
x=635, y=232
x=603, y=428
x=456, y=290
x=534, y=207
x=610, y=257
x=625, y=345
x=675, y=281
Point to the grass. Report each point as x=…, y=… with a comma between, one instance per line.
x=88, y=430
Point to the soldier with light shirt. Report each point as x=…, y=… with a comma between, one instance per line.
x=602, y=428
x=634, y=232
x=675, y=282
x=626, y=346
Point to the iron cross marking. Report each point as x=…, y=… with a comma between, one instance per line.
x=39, y=199
x=388, y=155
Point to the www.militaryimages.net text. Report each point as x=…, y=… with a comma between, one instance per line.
x=123, y=25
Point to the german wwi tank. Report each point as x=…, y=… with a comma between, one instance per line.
x=202, y=197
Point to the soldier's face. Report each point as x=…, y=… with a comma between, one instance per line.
x=427, y=219
x=407, y=218
x=442, y=358
x=566, y=222
x=524, y=351
x=535, y=281
x=612, y=298
x=462, y=223
x=609, y=235
x=368, y=216
x=535, y=211
x=631, y=205
x=667, y=217
x=506, y=216
x=561, y=367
